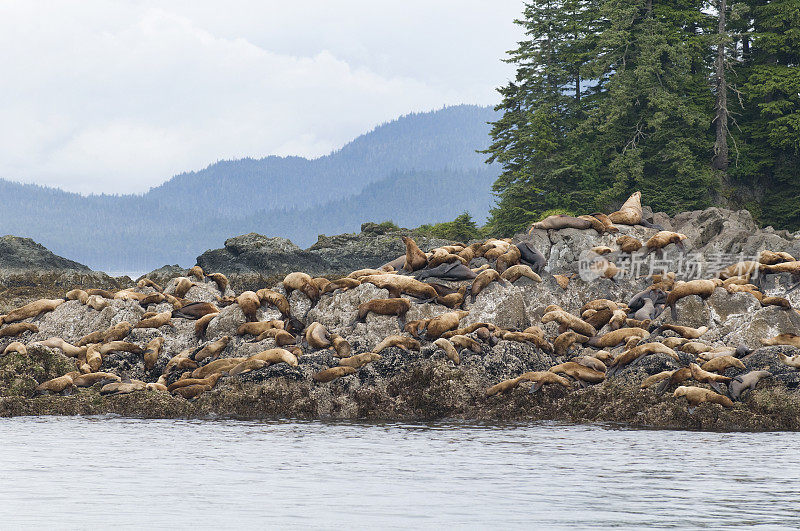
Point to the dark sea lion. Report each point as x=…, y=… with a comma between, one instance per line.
x=447, y=271
x=743, y=382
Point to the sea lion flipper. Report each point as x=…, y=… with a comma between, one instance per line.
x=662, y=386
x=535, y=387
x=716, y=387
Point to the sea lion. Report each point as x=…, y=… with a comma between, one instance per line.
x=17, y=329
x=608, y=225
x=776, y=301
x=276, y=355
x=617, y=337
x=397, y=306
x=655, y=378
x=676, y=377
x=674, y=342
x=443, y=323
x=33, y=309
x=453, y=300
x=710, y=378
x=580, y=372
x=483, y=280
x=570, y=321
x=219, y=365
x=598, y=318
x=89, y=379
x=562, y=281
x=359, y=360
x=630, y=213
x=599, y=304
x=701, y=288
x=648, y=311
x=249, y=302
x=442, y=256
x=451, y=271
x=221, y=281
x=399, y=284
x=113, y=333
x=697, y=395
x=461, y=341
x=301, y=282
x=719, y=364
x=415, y=258
x=415, y=327
x=148, y=283
x=328, y=375
x=341, y=346
x=560, y=221
x=195, y=310
x=524, y=337
x=77, y=295
x=515, y=272
x=152, y=352
x=201, y=325
x=637, y=352
x=746, y=269
x=120, y=346
x=595, y=223
x=781, y=339
x=508, y=259
x=156, y=321
x=539, y=379
x=278, y=300
x=212, y=350
x=256, y=328
x=100, y=292
x=248, y=365
x=96, y=302
x=449, y=349
x=317, y=336
x=152, y=298
x=591, y=362
x=281, y=336
x=182, y=287
x=401, y=342
x=57, y=385
x=791, y=361
x=602, y=250
x=67, y=348
x=192, y=391
x=532, y=257
x=663, y=238
x=743, y=382
x=564, y=342
x=628, y=244
x=696, y=347
x=343, y=284
x=686, y=332
x=16, y=347
x=210, y=380
x=772, y=258
x=365, y=272
x=782, y=267
x=156, y=387
x=197, y=272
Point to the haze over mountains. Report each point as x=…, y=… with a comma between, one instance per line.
x=421, y=168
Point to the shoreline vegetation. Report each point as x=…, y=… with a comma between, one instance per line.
x=186, y=344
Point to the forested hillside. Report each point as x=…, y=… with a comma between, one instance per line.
x=693, y=102
x=421, y=168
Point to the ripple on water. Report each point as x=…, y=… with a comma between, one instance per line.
x=93, y=472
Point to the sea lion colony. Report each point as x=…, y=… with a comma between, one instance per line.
x=585, y=348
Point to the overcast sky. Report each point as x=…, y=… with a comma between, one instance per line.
x=117, y=96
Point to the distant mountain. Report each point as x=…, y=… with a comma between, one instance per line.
x=420, y=168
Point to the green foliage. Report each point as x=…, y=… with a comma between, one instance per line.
x=642, y=116
x=461, y=229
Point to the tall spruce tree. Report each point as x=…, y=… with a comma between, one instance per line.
x=545, y=102
x=769, y=164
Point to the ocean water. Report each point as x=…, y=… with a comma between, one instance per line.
x=99, y=472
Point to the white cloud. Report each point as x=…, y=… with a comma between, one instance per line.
x=99, y=96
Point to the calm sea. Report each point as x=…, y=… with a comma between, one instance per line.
x=103, y=472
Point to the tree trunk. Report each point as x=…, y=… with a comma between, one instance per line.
x=720, y=161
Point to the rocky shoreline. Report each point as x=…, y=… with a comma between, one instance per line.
x=423, y=384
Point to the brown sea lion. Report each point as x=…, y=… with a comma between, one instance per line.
x=697, y=395
x=201, y=325
x=400, y=284
x=344, y=284
x=523, y=337
x=281, y=337
x=595, y=223
x=628, y=244
x=192, y=391
x=278, y=300
x=155, y=386
x=396, y=306
x=663, y=238
x=197, y=272
x=744, y=269
x=152, y=351
x=276, y=355
x=442, y=256
x=301, y=282
x=449, y=349
x=453, y=300
x=16, y=329
x=210, y=380
x=655, y=378
x=415, y=258
x=721, y=363
x=16, y=347
x=220, y=365
x=568, y=320
x=359, y=360
x=597, y=318
x=195, y=310
x=67, y=348
x=328, y=375
x=564, y=342
x=249, y=302
x=120, y=346
x=617, y=337
x=182, y=287
x=212, y=350
x=508, y=259
x=776, y=301
x=415, y=327
x=57, y=385
x=602, y=250
x=443, y=323
x=113, y=333
x=256, y=328
x=156, y=321
x=562, y=280
x=630, y=213
x=772, y=258
x=317, y=336
x=88, y=380
x=401, y=342
x=686, y=332
x=637, y=352
x=591, y=362
x=341, y=346
x=560, y=221
x=461, y=341
x=702, y=288
x=248, y=365
x=696, y=347
x=148, y=283
x=221, y=281
x=580, y=372
x=599, y=304
x=710, y=378
x=791, y=361
x=608, y=225
x=782, y=267
x=483, y=279
x=515, y=272
x=77, y=295
x=32, y=309
x=782, y=339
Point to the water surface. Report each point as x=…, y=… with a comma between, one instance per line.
x=97, y=472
